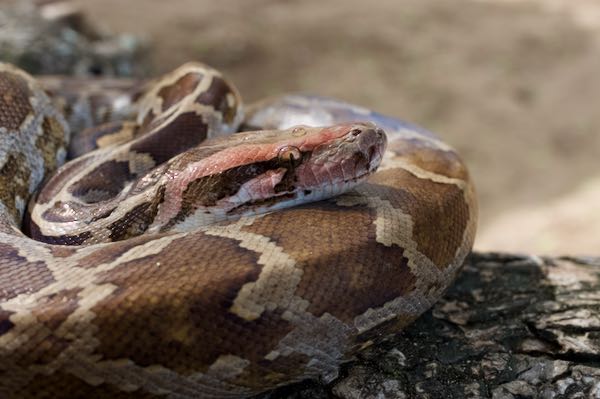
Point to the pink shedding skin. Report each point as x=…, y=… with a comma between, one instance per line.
x=261, y=187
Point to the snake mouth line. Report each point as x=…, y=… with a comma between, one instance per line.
x=282, y=199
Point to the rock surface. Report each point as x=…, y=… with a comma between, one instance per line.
x=510, y=327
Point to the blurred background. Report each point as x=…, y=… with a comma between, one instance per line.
x=512, y=84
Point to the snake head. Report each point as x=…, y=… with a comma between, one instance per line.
x=257, y=172
x=349, y=153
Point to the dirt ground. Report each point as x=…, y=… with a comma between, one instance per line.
x=512, y=84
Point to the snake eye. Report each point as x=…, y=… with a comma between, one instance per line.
x=289, y=154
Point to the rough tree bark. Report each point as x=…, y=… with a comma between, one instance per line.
x=510, y=327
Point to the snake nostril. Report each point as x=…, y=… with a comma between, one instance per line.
x=355, y=132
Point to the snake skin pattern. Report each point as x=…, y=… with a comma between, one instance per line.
x=235, y=308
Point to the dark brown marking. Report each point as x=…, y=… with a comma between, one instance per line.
x=76, y=239
x=64, y=385
x=180, y=303
x=137, y=220
x=51, y=311
x=186, y=131
x=174, y=93
x=5, y=323
x=14, y=280
x=439, y=212
x=103, y=183
x=216, y=96
x=62, y=252
x=112, y=252
x=345, y=270
x=53, y=186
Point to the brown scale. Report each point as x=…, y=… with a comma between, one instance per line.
x=445, y=163
x=191, y=299
x=137, y=221
x=187, y=130
x=110, y=133
x=379, y=273
x=14, y=104
x=176, y=92
x=428, y=203
x=216, y=95
x=34, y=231
x=103, y=183
x=13, y=283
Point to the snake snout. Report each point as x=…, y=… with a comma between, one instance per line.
x=371, y=145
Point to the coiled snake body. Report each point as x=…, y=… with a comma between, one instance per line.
x=146, y=303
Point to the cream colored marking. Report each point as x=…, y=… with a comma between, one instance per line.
x=140, y=162
x=78, y=328
x=152, y=102
x=67, y=275
x=278, y=279
x=393, y=226
x=272, y=355
x=227, y=367
x=100, y=230
x=124, y=134
x=391, y=162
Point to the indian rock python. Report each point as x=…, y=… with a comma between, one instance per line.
x=229, y=309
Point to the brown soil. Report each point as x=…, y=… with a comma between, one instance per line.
x=512, y=85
